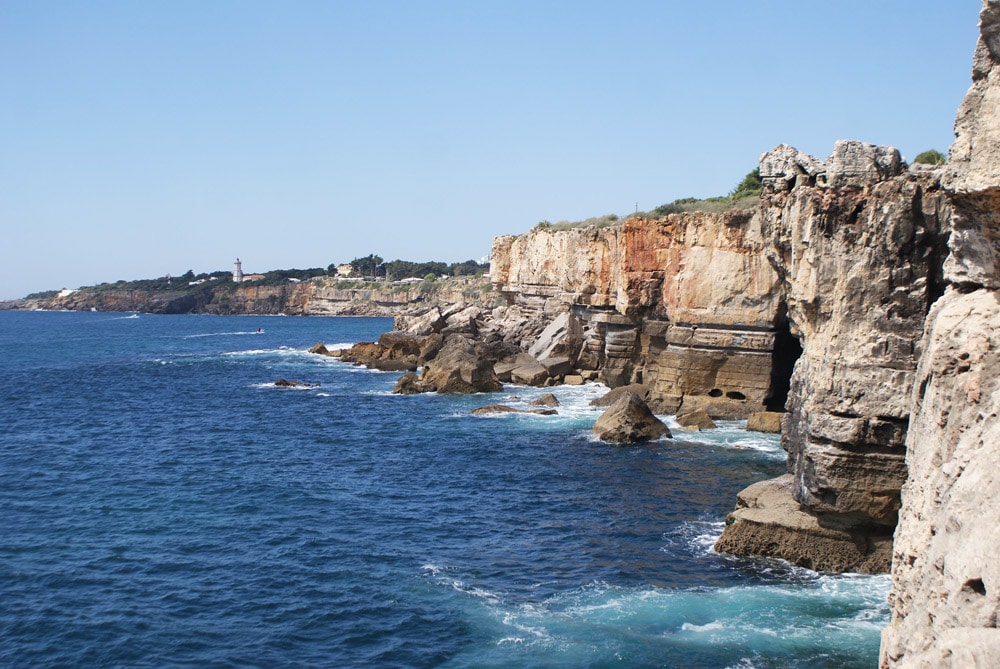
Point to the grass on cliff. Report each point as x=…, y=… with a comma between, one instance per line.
x=745, y=195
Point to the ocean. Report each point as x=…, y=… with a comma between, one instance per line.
x=163, y=504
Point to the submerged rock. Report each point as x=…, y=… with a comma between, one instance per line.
x=629, y=420
x=546, y=400
x=503, y=408
x=284, y=383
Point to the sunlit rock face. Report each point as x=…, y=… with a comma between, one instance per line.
x=686, y=304
x=857, y=241
x=946, y=577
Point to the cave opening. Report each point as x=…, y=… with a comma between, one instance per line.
x=786, y=352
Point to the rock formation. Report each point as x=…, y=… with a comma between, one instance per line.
x=687, y=305
x=857, y=242
x=946, y=578
x=320, y=296
x=629, y=420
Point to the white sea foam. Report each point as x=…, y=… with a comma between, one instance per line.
x=789, y=617
x=238, y=333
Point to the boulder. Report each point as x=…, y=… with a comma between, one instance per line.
x=573, y=380
x=463, y=320
x=459, y=368
x=422, y=323
x=556, y=366
x=765, y=421
x=697, y=419
x=507, y=365
x=546, y=400
x=530, y=374
x=612, y=396
x=561, y=339
x=629, y=420
x=407, y=384
x=319, y=349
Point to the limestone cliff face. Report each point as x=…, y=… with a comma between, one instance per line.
x=687, y=304
x=946, y=576
x=857, y=242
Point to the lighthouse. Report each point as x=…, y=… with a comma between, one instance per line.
x=237, y=271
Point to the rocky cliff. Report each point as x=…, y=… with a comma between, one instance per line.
x=321, y=296
x=858, y=242
x=687, y=304
x=946, y=578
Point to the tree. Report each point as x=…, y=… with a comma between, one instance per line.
x=367, y=266
x=750, y=186
x=930, y=157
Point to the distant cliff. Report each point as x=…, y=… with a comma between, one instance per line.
x=321, y=296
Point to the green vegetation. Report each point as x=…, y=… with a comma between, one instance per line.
x=930, y=157
x=606, y=221
x=744, y=196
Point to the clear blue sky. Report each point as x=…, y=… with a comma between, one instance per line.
x=147, y=138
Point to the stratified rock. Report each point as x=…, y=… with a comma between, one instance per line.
x=612, y=396
x=765, y=421
x=629, y=420
x=697, y=419
x=546, y=400
x=687, y=304
x=768, y=522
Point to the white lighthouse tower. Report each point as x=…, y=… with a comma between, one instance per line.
x=237, y=271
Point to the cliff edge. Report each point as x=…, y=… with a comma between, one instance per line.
x=945, y=595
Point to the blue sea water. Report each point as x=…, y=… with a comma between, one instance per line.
x=162, y=504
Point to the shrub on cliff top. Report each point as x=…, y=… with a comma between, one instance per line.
x=930, y=157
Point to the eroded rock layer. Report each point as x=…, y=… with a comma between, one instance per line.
x=688, y=305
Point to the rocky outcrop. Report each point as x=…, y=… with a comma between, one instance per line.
x=857, y=241
x=687, y=305
x=768, y=521
x=945, y=597
x=629, y=420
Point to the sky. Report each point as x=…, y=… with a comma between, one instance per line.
x=140, y=139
